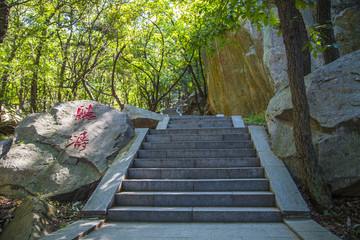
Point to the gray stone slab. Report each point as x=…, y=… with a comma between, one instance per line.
x=288, y=197
x=195, y=173
x=238, y=122
x=196, y=162
x=163, y=124
x=310, y=230
x=75, y=230
x=260, y=138
x=198, y=231
x=200, y=131
x=104, y=195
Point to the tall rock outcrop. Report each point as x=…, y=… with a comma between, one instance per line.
x=250, y=68
x=334, y=99
x=236, y=78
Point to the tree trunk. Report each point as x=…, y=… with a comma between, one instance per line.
x=34, y=81
x=4, y=19
x=323, y=17
x=292, y=26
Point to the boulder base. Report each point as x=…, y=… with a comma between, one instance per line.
x=334, y=99
x=64, y=151
x=33, y=219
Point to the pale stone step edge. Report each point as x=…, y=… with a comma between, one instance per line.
x=287, y=196
x=76, y=230
x=104, y=195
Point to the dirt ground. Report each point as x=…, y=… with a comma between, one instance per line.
x=342, y=219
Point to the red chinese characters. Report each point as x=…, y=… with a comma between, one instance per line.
x=85, y=113
x=80, y=142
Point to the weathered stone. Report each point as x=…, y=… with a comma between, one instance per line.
x=237, y=82
x=5, y=146
x=34, y=218
x=347, y=30
x=333, y=94
x=141, y=118
x=45, y=160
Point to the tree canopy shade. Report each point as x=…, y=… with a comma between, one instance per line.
x=116, y=52
x=144, y=52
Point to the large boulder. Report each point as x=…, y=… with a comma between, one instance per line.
x=346, y=18
x=34, y=218
x=63, y=152
x=141, y=118
x=250, y=66
x=236, y=78
x=334, y=99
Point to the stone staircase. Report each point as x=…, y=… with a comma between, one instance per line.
x=199, y=169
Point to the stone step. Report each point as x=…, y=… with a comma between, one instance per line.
x=197, y=121
x=198, y=145
x=199, y=185
x=189, y=137
x=200, y=131
x=196, y=199
x=197, y=153
x=194, y=214
x=184, y=117
x=198, y=125
x=196, y=162
x=195, y=173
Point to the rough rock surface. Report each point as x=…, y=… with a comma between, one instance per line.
x=242, y=77
x=334, y=98
x=5, y=146
x=33, y=219
x=141, y=118
x=237, y=82
x=64, y=151
x=347, y=30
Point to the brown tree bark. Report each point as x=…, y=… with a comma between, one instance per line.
x=292, y=25
x=323, y=17
x=4, y=19
x=34, y=81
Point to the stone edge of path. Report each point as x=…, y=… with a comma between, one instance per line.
x=75, y=230
x=308, y=229
x=237, y=122
x=163, y=124
x=288, y=197
x=104, y=195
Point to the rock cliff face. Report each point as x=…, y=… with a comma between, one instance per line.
x=250, y=68
x=237, y=82
x=243, y=77
x=334, y=99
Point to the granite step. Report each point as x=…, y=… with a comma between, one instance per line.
x=199, y=125
x=192, y=137
x=196, y=121
x=196, y=199
x=199, y=185
x=195, y=173
x=194, y=214
x=197, y=153
x=200, y=131
x=195, y=162
x=198, y=145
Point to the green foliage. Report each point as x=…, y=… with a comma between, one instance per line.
x=317, y=40
x=332, y=212
x=257, y=119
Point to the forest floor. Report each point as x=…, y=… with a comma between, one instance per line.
x=68, y=212
x=343, y=219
